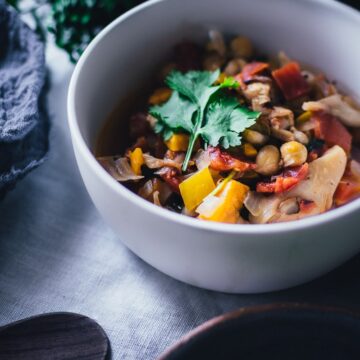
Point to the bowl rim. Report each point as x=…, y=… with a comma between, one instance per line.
x=165, y=214
x=239, y=313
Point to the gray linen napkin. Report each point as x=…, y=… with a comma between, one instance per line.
x=23, y=119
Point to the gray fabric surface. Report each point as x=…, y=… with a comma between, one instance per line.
x=23, y=119
x=57, y=254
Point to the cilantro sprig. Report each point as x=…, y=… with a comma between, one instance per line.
x=200, y=108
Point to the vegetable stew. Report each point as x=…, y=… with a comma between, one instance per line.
x=229, y=135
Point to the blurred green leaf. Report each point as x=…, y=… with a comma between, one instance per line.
x=74, y=23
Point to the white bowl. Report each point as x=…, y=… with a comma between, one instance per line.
x=223, y=257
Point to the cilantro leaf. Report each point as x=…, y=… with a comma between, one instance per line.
x=225, y=120
x=193, y=84
x=198, y=108
x=229, y=82
x=174, y=116
x=197, y=86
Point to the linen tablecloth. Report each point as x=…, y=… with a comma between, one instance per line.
x=57, y=254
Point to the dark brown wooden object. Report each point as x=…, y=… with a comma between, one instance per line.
x=54, y=336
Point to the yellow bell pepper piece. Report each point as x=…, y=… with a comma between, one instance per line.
x=221, y=78
x=178, y=142
x=160, y=96
x=195, y=188
x=305, y=116
x=249, y=150
x=221, y=183
x=232, y=198
x=136, y=160
x=215, y=175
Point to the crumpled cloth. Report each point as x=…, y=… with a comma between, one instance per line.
x=24, y=125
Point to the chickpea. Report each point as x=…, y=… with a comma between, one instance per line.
x=241, y=47
x=268, y=160
x=293, y=153
x=254, y=137
x=234, y=66
x=300, y=136
x=281, y=134
x=213, y=61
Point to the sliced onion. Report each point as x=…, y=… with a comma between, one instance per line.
x=208, y=206
x=283, y=58
x=263, y=209
x=164, y=191
x=258, y=93
x=119, y=169
x=289, y=206
x=269, y=211
x=202, y=159
x=313, y=106
x=156, y=198
x=162, y=171
x=148, y=190
x=280, y=111
x=307, y=126
x=355, y=168
x=338, y=106
x=151, y=120
x=155, y=163
x=253, y=203
x=217, y=42
x=125, y=171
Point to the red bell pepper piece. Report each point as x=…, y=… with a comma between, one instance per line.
x=332, y=131
x=349, y=186
x=306, y=206
x=170, y=176
x=290, y=81
x=288, y=179
x=222, y=161
x=252, y=69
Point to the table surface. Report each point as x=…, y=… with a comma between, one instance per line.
x=57, y=254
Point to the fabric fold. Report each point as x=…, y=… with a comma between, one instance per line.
x=24, y=123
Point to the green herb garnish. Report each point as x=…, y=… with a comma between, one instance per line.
x=200, y=108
